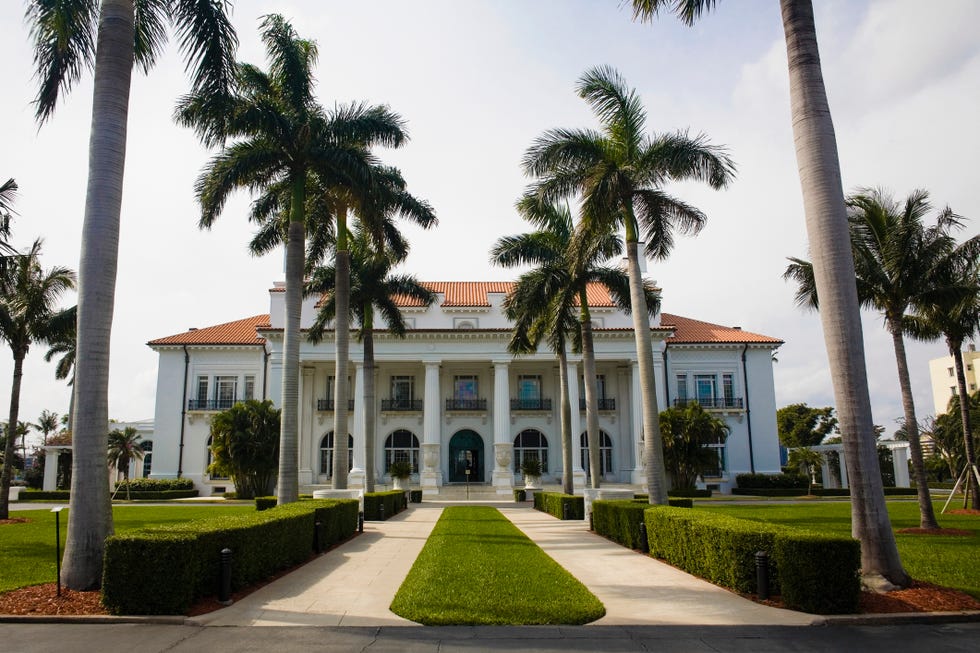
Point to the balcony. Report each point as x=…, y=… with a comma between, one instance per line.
x=211, y=404
x=466, y=405
x=328, y=404
x=530, y=404
x=605, y=403
x=717, y=403
x=401, y=405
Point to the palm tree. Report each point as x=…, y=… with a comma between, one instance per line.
x=8, y=190
x=899, y=263
x=808, y=461
x=47, y=424
x=65, y=345
x=826, y=221
x=28, y=295
x=124, y=447
x=619, y=172
x=283, y=139
x=556, y=243
x=126, y=33
x=688, y=433
x=372, y=287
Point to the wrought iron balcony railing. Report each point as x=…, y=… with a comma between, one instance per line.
x=530, y=404
x=328, y=404
x=394, y=405
x=211, y=404
x=605, y=403
x=466, y=404
x=716, y=403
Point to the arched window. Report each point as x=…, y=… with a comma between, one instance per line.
x=213, y=477
x=326, y=454
x=402, y=445
x=530, y=444
x=147, y=446
x=605, y=452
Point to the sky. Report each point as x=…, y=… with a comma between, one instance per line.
x=476, y=82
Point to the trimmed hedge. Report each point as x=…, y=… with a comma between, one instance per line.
x=394, y=501
x=619, y=521
x=520, y=494
x=415, y=496
x=264, y=503
x=818, y=492
x=554, y=504
x=157, y=571
x=44, y=495
x=772, y=481
x=689, y=493
x=814, y=572
x=677, y=501
x=156, y=484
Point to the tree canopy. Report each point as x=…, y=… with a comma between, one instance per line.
x=800, y=425
x=245, y=446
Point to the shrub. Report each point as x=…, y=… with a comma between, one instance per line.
x=264, y=503
x=415, y=496
x=245, y=446
x=157, y=571
x=819, y=573
x=520, y=494
x=619, y=521
x=689, y=493
x=772, y=481
x=400, y=469
x=681, y=503
x=155, y=484
x=554, y=504
x=44, y=495
x=162, y=495
x=680, y=500
x=394, y=501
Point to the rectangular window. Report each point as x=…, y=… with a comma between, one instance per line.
x=403, y=388
x=249, y=387
x=202, y=389
x=952, y=390
x=600, y=386
x=465, y=387
x=225, y=390
x=704, y=385
x=728, y=389
x=529, y=387
x=950, y=370
x=681, y=389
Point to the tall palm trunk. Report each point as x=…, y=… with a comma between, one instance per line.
x=653, y=446
x=591, y=401
x=11, y=433
x=90, y=510
x=369, y=422
x=288, y=480
x=567, y=482
x=927, y=516
x=342, y=339
x=833, y=267
x=956, y=350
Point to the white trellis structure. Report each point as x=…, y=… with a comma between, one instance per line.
x=900, y=463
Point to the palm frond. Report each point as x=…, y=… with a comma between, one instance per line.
x=689, y=11
x=151, y=31
x=801, y=272
x=63, y=32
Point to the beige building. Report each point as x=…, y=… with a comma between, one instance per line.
x=942, y=374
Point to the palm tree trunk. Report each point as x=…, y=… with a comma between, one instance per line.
x=591, y=401
x=288, y=482
x=927, y=516
x=833, y=268
x=11, y=435
x=90, y=510
x=369, y=423
x=653, y=448
x=956, y=350
x=567, y=482
x=342, y=339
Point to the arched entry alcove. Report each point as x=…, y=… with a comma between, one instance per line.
x=466, y=452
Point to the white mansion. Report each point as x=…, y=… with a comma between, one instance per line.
x=450, y=397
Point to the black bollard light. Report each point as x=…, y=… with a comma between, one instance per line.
x=591, y=523
x=224, y=592
x=360, y=522
x=317, y=537
x=644, y=543
x=565, y=510
x=381, y=511
x=762, y=574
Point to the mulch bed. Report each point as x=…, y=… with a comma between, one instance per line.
x=921, y=597
x=963, y=511
x=934, y=531
x=14, y=520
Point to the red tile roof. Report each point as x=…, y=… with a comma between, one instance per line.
x=691, y=331
x=466, y=294
x=239, y=332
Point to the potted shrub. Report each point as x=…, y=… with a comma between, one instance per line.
x=400, y=472
x=531, y=468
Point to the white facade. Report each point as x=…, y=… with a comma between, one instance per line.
x=449, y=395
x=942, y=376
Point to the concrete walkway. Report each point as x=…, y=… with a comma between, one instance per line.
x=354, y=584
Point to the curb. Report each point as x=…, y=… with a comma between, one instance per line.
x=898, y=618
x=94, y=619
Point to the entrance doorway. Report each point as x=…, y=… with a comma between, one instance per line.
x=466, y=453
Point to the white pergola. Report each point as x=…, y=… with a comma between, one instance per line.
x=900, y=463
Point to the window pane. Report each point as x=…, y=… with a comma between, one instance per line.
x=681, y=388
x=249, y=387
x=529, y=387
x=465, y=387
x=202, y=388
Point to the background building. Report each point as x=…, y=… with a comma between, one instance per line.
x=942, y=375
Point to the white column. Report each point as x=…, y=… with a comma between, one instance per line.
x=900, y=462
x=578, y=474
x=307, y=406
x=431, y=477
x=356, y=476
x=826, y=478
x=843, y=470
x=503, y=446
x=636, y=422
x=51, y=469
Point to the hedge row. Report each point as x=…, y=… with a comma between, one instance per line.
x=771, y=481
x=160, y=495
x=817, y=492
x=44, y=495
x=682, y=500
x=157, y=571
x=394, y=501
x=620, y=520
x=520, y=494
x=814, y=572
x=264, y=503
x=156, y=484
x=554, y=504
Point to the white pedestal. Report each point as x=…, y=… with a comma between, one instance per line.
x=341, y=494
x=13, y=493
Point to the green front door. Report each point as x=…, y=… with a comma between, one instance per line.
x=466, y=453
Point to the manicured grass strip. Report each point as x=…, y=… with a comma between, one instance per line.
x=27, y=550
x=478, y=568
x=944, y=560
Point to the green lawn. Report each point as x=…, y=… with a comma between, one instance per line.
x=943, y=560
x=27, y=551
x=478, y=568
